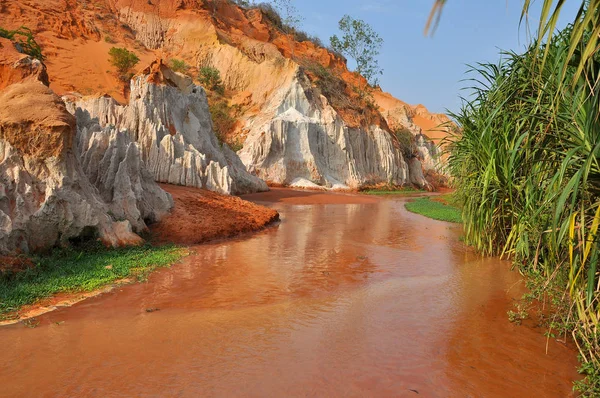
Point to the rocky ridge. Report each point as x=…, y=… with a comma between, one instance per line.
x=307, y=144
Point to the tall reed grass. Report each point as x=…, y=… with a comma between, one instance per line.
x=526, y=167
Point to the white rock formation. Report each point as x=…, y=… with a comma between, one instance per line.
x=300, y=140
x=168, y=117
x=113, y=165
x=45, y=197
x=427, y=153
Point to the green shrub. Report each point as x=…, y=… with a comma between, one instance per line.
x=24, y=41
x=223, y=121
x=407, y=141
x=210, y=78
x=179, y=65
x=526, y=167
x=124, y=60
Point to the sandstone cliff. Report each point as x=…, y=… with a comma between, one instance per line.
x=270, y=79
x=307, y=144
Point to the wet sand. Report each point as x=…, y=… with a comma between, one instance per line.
x=342, y=298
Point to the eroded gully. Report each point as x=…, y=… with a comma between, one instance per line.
x=347, y=296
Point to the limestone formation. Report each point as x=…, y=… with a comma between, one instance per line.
x=113, y=164
x=168, y=117
x=306, y=143
x=45, y=198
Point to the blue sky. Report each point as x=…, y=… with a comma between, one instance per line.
x=428, y=70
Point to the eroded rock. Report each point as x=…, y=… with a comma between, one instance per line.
x=306, y=143
x=114, y=166
x=45, y=197
x=168, y=117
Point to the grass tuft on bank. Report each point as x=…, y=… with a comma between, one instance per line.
x=80, y=270
x=442, y=210
x=392, y=191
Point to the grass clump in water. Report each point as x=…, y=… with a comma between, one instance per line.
x=83, y=270
x=435, y=209
x=392, y=191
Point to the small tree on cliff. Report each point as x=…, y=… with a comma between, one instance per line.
x=361, y=43
x=124, y=60
x=210, y=78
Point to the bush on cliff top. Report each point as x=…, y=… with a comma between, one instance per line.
x=124, y=60
x=210, y=78
x=179, y=65
x=24, y=41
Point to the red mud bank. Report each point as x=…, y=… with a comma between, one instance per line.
x=200, y=215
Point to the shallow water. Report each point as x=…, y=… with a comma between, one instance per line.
x=345, y=297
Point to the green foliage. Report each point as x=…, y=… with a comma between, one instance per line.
x=435, y=209
x=210, y=78
x=590, y=386
x=408, y=142
x=363, y=44
x=24, y=41
x=73, y=270
x=526, y=168
x=223, y=121
x=390, y=190
x=124, y=60
x=178, y=65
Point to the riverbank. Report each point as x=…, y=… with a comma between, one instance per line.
x=441, y=208
x=68, y=276
x=31, y=286
x=200, y=216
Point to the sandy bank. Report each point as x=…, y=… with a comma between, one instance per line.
x=200, y=215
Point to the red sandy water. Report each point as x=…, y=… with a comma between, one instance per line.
x=342, y=298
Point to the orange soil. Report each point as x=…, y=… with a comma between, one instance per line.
x=14, y=264
x=200, y=215
x=34, y=120
x=76, y=37
x=12, y=70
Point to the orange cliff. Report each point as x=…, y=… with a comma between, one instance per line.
x=291, y=106
x=254, y=57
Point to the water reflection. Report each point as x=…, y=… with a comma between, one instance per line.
x=346, y=299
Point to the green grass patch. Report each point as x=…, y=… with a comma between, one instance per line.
x=435, y=209
x=385, y=191
x=83, y=270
